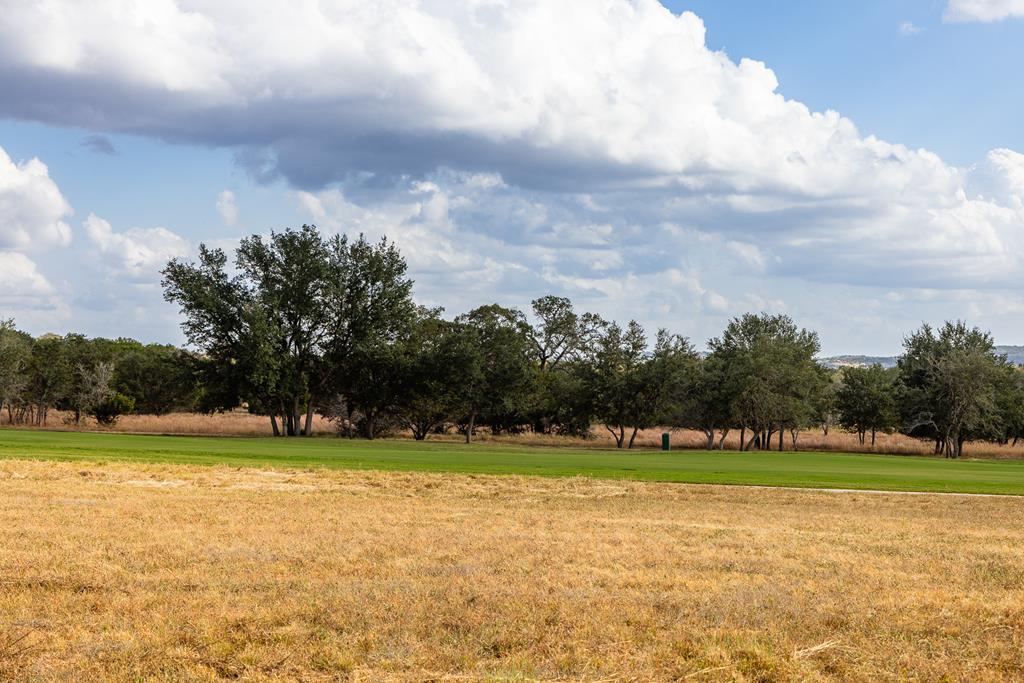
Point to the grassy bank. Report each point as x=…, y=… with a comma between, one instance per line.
x=800, y=469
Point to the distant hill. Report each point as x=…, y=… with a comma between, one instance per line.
x=836, y=362
x=1014, y=354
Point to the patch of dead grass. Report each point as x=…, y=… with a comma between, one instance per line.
x=126, y=572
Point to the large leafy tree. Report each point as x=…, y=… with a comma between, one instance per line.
x=287, y=279
x=295, y=324
x=702, y=402
x=631, y=387
x=48, y=376
x=561, y=341
x=432, y=364
x=560, y=335
x=497, y=377
x=770, y=375
x=866, y=401
x=615, y=380
x=370, y=297
x=951, y=381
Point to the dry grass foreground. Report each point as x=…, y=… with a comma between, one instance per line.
x=126, y=572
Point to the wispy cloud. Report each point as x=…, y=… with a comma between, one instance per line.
x=100, y=144
x=909, y=28
x=227, y=208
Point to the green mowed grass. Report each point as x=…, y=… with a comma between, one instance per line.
x=801, y=469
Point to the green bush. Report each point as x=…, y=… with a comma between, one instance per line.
x=112, y=408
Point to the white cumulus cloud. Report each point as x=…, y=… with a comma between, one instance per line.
x=514, y=146
x=21, y=283
x=136, y=253
x=32, y=208
x=628, y=109
x=983, y=10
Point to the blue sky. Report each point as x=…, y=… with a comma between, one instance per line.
x=627, y=163
x=948, y=86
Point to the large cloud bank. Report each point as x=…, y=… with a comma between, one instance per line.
x=596, y=145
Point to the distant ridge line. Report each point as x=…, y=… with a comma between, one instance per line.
x=1014, y=354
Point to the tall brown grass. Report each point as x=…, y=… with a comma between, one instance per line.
x=242, y=423
x=122, y=572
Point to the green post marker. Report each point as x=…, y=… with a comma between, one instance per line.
x=664, y=442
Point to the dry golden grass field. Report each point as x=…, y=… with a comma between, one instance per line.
x=135, y=572
x=241, y=423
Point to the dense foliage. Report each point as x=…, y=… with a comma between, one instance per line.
x=299, y=324
x=99, y=378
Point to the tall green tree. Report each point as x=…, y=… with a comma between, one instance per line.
x=866, y=401
x=561, y=341
x=632, y=387
x=15, y=351
x=48, y=376
x=702, y=402
x=432, y=362
x=951, y=380
x=498, y=375
x=300, y=322
x=560, y=334
x=770, y=375
x=370, y=296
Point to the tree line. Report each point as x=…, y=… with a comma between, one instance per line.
x=298, y=324
x=99, y=378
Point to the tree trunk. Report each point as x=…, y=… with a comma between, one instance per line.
x=793, y=434
x=721, y=442
x=872, y=437
x=710, y=434
x=273, y=423
x=782, y=437
x=420, y=430
x=743, y=437
x=751, y=442
x=469, y=427
x=308, y=430
x=296, y=419
x=632, y=437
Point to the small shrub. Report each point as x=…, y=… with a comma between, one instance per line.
x=113, y=407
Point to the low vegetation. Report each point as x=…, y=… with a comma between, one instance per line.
x=147, y=572
x=802, y=469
